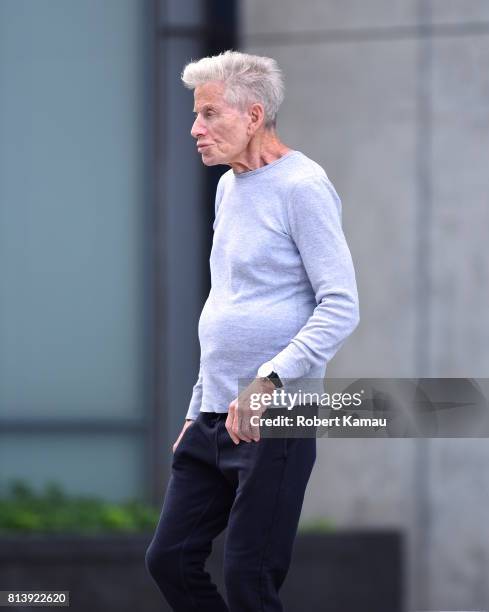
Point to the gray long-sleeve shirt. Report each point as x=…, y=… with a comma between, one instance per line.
x=282, y=280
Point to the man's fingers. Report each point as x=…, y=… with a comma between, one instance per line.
x=175, y=444
x=230, y=421
x=237, y=429
x=255, y=432
x=252, y=431
x=243, y=427
x=238, y=424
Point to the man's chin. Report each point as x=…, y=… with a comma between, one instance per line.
x=209, y=160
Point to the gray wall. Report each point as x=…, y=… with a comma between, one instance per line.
x=392, y=99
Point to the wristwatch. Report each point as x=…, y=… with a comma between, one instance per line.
x=267, y=370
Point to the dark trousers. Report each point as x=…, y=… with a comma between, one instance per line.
x=256, y=490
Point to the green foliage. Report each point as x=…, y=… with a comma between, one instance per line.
x=53, y=511
x=317, y=525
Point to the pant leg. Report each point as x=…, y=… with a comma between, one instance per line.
x=195, y=510
x=273, y=475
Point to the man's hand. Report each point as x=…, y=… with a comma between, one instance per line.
x=240, y=412
x=188, y=423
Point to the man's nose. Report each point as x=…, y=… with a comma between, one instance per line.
x=197, y=128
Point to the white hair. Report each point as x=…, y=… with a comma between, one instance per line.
x=248, y=79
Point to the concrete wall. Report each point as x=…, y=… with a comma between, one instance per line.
x=392, y=99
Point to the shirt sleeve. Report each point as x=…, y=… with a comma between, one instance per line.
x=314, y=224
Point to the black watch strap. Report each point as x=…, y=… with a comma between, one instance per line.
x=274, y=377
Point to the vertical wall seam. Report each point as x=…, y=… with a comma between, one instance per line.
x=423, y=298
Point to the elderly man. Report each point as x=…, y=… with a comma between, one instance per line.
x=283, y=300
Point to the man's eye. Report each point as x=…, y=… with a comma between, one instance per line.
x=205, y=113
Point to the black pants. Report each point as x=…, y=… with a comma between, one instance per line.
x=256, y=490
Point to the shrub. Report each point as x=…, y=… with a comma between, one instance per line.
x=317, y=525
x=53, y=511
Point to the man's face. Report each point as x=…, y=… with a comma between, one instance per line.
x=220, y=128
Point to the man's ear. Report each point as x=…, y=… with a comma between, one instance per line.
x=257, y=117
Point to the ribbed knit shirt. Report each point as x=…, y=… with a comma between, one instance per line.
x=282, y=280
